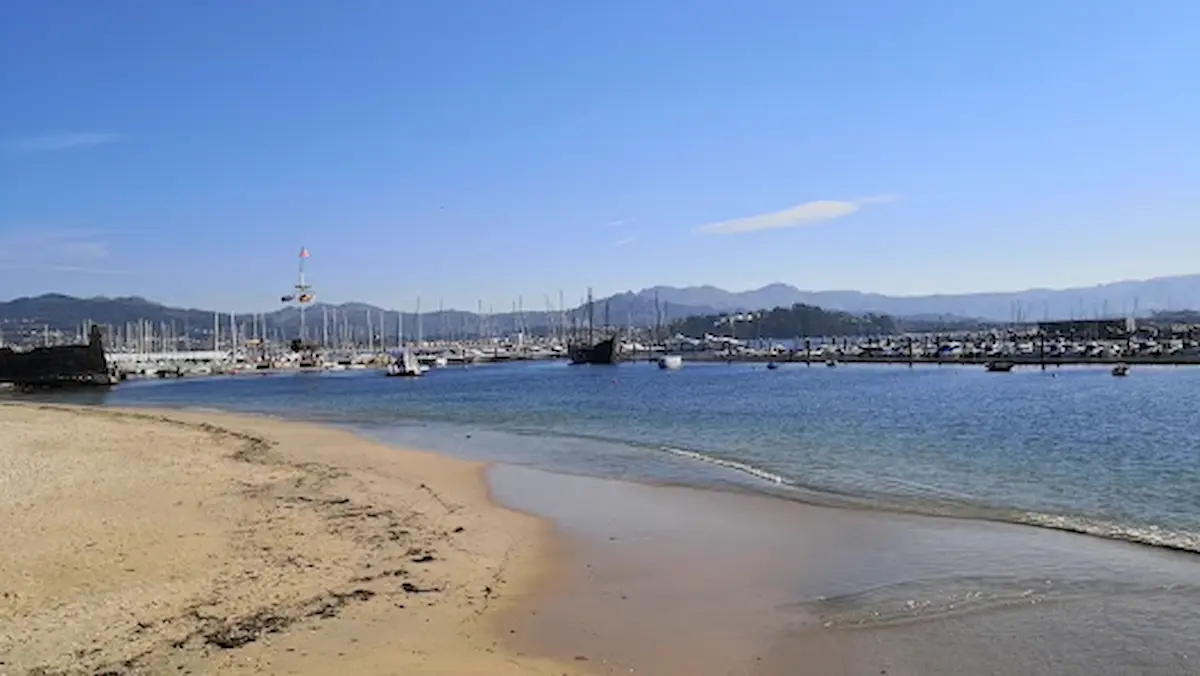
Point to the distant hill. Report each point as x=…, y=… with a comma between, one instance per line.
x=640, y=309
x=58, y=312
x=791, y=322
x=1115, y=299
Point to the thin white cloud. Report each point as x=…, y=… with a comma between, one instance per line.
x=53, y=249
x=81, y=269
x=84, y=250
x=794, y=217
x=60, y=141
x=625, y=240
x=621, y=222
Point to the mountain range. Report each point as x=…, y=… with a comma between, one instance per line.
x=641, y=308
x=1141, y=297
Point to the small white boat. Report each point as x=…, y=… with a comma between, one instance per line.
x=406, y=366
x=1120, y=370
x=831, y=363
x=670, y=362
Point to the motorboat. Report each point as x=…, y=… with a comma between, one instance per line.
x=670, y=362
x=406, y=365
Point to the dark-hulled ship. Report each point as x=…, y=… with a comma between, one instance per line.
x=58, y=366
x=603, y=352
x=591, y=351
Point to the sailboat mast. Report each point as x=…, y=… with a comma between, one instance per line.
x=591, y=315
x=419, y=327
x=657, y=319
x=562, y=318
x=370, y=333
x=301, y=287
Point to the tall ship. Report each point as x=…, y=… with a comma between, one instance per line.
x=591, y=351
x=59, y=366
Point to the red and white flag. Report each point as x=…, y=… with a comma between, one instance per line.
x=304, y=253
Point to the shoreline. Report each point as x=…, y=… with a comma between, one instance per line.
x=763, y=482
x=757, y=481
x=677, y=579
x=551, y=574
x=144, y=539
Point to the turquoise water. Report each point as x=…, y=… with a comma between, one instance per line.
x=1073, y=448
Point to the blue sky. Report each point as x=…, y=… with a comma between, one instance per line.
x=472, y=149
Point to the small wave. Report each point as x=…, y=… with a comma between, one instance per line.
x=729, y=464
x=1153, y=536
x=932, y=599
x=960, y=508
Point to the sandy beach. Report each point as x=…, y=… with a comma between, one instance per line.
x=188, y=542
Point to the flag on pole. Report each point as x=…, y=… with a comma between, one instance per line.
x=304, y=253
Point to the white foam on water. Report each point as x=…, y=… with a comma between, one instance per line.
x=1153, y=536
x=742, y=467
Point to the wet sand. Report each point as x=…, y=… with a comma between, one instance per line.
x=172, y=542
x=671, y=580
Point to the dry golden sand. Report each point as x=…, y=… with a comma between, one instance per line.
x=146, y=542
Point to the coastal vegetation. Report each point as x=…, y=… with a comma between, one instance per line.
x=798, y=320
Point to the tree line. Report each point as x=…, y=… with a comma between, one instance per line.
x=797, y=321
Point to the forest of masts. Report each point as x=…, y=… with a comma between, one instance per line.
x=330, y=328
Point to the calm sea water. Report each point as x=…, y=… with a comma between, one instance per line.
x=1072, y=448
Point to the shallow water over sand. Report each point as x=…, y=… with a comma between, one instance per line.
x=678, y=580
x=1116, y=457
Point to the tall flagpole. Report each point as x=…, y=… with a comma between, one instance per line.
x=302, y=296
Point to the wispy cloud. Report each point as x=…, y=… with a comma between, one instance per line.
x=55, y=250
x=794, y=217
x=625, y=240
x=60, y=141
x=81, y=269
x=620, y=222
